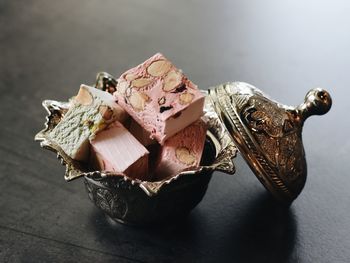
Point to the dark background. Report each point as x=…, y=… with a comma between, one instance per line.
x=48, y=48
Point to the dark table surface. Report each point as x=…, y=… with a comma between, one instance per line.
x=48, y=48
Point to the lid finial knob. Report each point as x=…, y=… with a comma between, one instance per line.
x=317, y=102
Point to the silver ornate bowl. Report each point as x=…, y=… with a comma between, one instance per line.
x=140, y=202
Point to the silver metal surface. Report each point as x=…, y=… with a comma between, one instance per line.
x=268, y=134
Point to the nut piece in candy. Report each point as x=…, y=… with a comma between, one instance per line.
x=138, y=100
x=185, y=156
x=106, y=112
x=84, y=97
x=172, y=81
x=159, y=68
x=140, y=82
x=122, y=86
x=186, y=98
x=130, y=77
x=161, y=100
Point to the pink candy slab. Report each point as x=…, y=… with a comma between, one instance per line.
x=182, y=151
x=118, y=151
x=159, y=97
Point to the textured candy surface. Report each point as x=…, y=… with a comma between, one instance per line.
x=159, y=97
x=182, y=151
x=91, y=111
x=118, y=151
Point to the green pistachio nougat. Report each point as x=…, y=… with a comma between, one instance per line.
x=91, y=111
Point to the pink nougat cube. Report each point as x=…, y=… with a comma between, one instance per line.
x=182, y=151
x=116, y=150
x=159, y=97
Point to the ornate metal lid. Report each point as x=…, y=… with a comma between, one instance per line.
x=268, y=134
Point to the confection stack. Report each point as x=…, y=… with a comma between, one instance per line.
x=150, y=128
